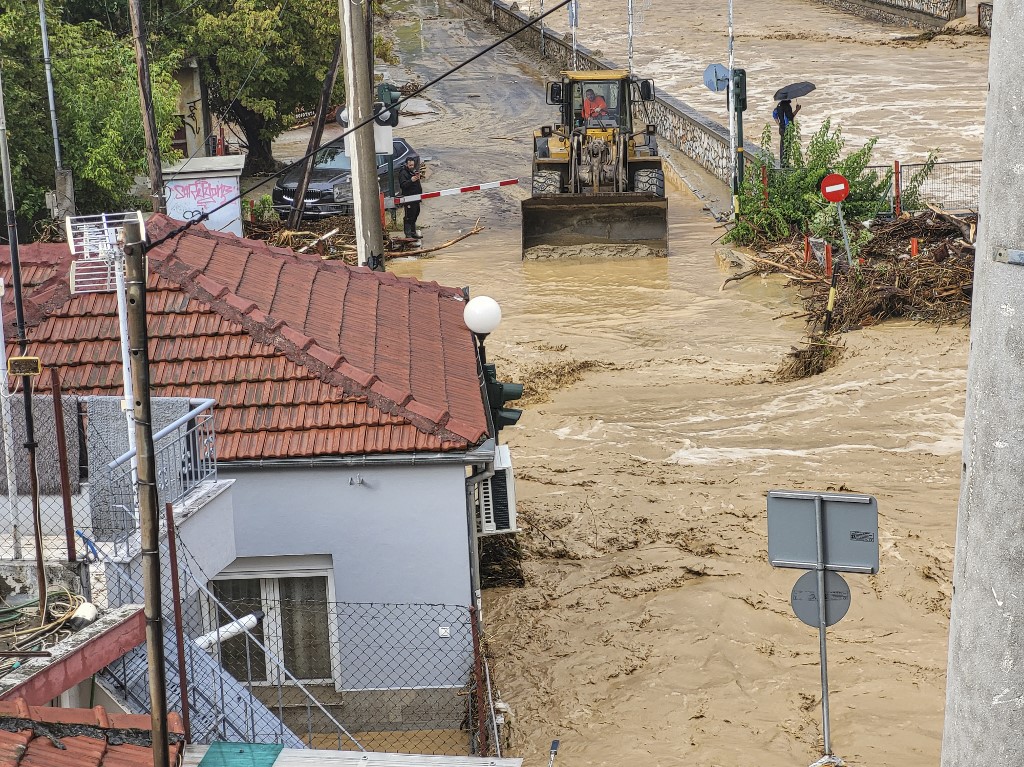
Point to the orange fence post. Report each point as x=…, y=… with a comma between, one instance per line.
x=383, y=223
x=807, y=249
x=896, y=183
x=913, y=247
x=828, y=260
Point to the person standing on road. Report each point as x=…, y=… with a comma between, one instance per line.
x=784, y=115
x=409, y=181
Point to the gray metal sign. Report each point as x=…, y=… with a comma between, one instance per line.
x=716, y=78
x=805, y=598
x=849, y=527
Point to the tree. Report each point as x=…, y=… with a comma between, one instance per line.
x=98, y=115
x=261, y=59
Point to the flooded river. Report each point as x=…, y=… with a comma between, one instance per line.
x=651, y=627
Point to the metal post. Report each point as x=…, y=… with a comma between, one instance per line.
x=846, y=239
x=819, y=529
x=984, y=717
x=149, y=514
x=358, y=89
x=26, y=381
x=629, y=35
x=478, y=687
x=541, y=25
x=156, y=175
x=731, y=94
x=13, y=499
x=315, y=134
x=49, y=80
x=897, y=183
x=179, y=631
x=126, y=374
x=62, y=462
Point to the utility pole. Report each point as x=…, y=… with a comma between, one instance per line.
x=149, y=511
x=64, y=183
x=299, y=200
x=156, y=174
x=732, y=120
x=984, y=679
x=26, y=381
x=360, y=144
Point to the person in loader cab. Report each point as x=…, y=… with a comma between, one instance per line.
x=409, y=181
x=594, y=105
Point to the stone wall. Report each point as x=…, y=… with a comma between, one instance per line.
x=699, y=137
x=985, y=17
x=915, y=13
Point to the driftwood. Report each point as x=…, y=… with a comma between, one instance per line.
x=424, y=251
x=741, y=276
x=967, y=228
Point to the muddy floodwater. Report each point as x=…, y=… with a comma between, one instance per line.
x=651, y=628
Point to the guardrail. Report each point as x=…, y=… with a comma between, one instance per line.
x=185, y=457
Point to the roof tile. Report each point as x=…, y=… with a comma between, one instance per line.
x=304, y=357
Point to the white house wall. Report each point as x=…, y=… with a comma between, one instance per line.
x=396, y=534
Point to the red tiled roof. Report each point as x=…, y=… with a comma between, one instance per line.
x=90, y=737
x=304, y=357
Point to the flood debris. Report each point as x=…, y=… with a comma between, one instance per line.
x=334, y=239
x=917, y=267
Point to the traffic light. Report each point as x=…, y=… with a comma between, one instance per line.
x=384, y=114
x=498, y=393
x=739, y=84
x=387, y=96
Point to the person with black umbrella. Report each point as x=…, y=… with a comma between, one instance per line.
x=785, y=113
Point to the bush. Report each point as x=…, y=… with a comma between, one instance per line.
x=794, y=202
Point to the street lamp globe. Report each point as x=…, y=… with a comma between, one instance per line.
x=482, y=315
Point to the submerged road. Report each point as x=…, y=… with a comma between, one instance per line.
x=652, y=628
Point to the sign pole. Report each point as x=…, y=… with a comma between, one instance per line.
x=819, y=524
x=846, y=239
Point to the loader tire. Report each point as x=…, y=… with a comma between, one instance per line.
x=547, y=182
x=650, y=180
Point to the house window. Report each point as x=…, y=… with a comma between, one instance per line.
x=295, y=629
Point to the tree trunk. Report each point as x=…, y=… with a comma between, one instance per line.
x=260, y=155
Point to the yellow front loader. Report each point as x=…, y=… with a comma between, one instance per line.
x=596, y=180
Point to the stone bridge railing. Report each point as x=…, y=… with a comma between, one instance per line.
x=917, y=13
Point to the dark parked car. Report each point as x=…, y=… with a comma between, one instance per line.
x=330, y=186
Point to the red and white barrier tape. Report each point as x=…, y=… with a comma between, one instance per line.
x=453, y=190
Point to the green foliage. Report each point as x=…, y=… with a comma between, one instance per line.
x=261, y=60
x=910, y=194
x=794, y=202
x=99, y=119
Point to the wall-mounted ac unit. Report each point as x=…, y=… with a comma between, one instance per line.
x=496, y=497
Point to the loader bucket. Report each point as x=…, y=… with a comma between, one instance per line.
x=572, y=220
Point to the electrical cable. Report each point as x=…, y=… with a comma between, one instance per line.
x=189, y=224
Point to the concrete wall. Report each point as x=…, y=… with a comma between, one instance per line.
x=917, y=13
x=700, y=137
x=396, y=534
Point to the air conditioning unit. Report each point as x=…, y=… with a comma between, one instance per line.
x=496, y=497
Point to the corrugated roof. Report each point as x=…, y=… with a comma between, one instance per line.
x=304, y=357
x=40, y=736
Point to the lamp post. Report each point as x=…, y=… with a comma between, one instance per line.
x=482, y=316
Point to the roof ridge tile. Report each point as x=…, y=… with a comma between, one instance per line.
x=211, y=287
x=300, y=340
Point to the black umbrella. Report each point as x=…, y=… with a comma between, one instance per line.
x=793, y=91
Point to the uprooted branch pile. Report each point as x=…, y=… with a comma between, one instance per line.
x=888, y=281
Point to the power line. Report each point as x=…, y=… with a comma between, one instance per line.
x=189, y=224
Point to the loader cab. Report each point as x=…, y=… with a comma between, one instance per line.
x=598, y=104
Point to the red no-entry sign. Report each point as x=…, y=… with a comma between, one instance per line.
x=835, y=188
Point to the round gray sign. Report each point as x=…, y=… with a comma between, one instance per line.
x=805, y=598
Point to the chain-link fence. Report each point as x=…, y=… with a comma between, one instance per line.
x=269, y=658
x=952, y=186
x=84, y=470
